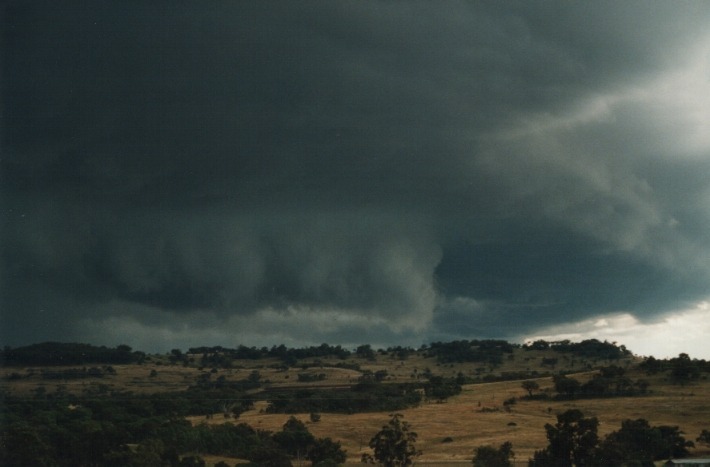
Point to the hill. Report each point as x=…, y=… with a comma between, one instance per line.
x=456, y=396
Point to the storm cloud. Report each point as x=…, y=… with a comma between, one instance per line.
x=348, y=172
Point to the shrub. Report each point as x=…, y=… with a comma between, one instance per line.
x=488, y=456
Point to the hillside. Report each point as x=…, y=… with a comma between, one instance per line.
x=491, y=407
x=470, y=424
x=177, y=370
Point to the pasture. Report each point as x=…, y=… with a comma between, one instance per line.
x=447, y=431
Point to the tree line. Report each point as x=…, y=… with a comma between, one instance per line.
x=610, y=381
x=463, y=351
x=368, y=395
x=488, y=351
x=59, y=429
x=56, y=353
x=590, y=348
x=682, y=369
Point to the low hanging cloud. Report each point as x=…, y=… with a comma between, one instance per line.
x=682, y=331
x=350, y=172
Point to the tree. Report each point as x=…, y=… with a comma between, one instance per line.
x=294, y=438
x=651, y=366
x=530, y=386
x=149, y=453
x=572, y=441
x=266, y=455
x=488, y=456
x=175, y=355
x=393, y=445
x=683, y=369
x=565, y=386
x=23, y=445
x=326, y=450
x=365, y=351
x=673, y=443
x=704, y=437
x=537, y=345
x=638, y=441
x=635, y=440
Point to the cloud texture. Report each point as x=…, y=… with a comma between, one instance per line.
x=349, y=172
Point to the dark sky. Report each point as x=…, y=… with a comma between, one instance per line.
x=191, y=173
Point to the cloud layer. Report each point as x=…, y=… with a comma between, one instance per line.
x=350, y=171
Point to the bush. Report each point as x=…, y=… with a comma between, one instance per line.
x=488, y=456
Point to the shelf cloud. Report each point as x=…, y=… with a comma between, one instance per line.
x=351, y=172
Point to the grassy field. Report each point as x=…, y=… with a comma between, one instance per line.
x=447, y=431
x=476, y=417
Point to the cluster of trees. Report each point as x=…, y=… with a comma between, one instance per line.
x=299, y=443
x=682, y=369
x=62, y=430
x=574, y=440
x=400, y=353
x=310, y=377
x=509, y=376
x=219, y=356
x=55, y=353
x=487, y=351
x=78, y=373
x=440, y=388
x=369, y=395
x=590, y=348
x=59, y=430
x=366, y=396
x=366, y=351
x=609, y=382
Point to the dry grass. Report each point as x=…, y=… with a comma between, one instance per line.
x=469, y=425
x=475, y=417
